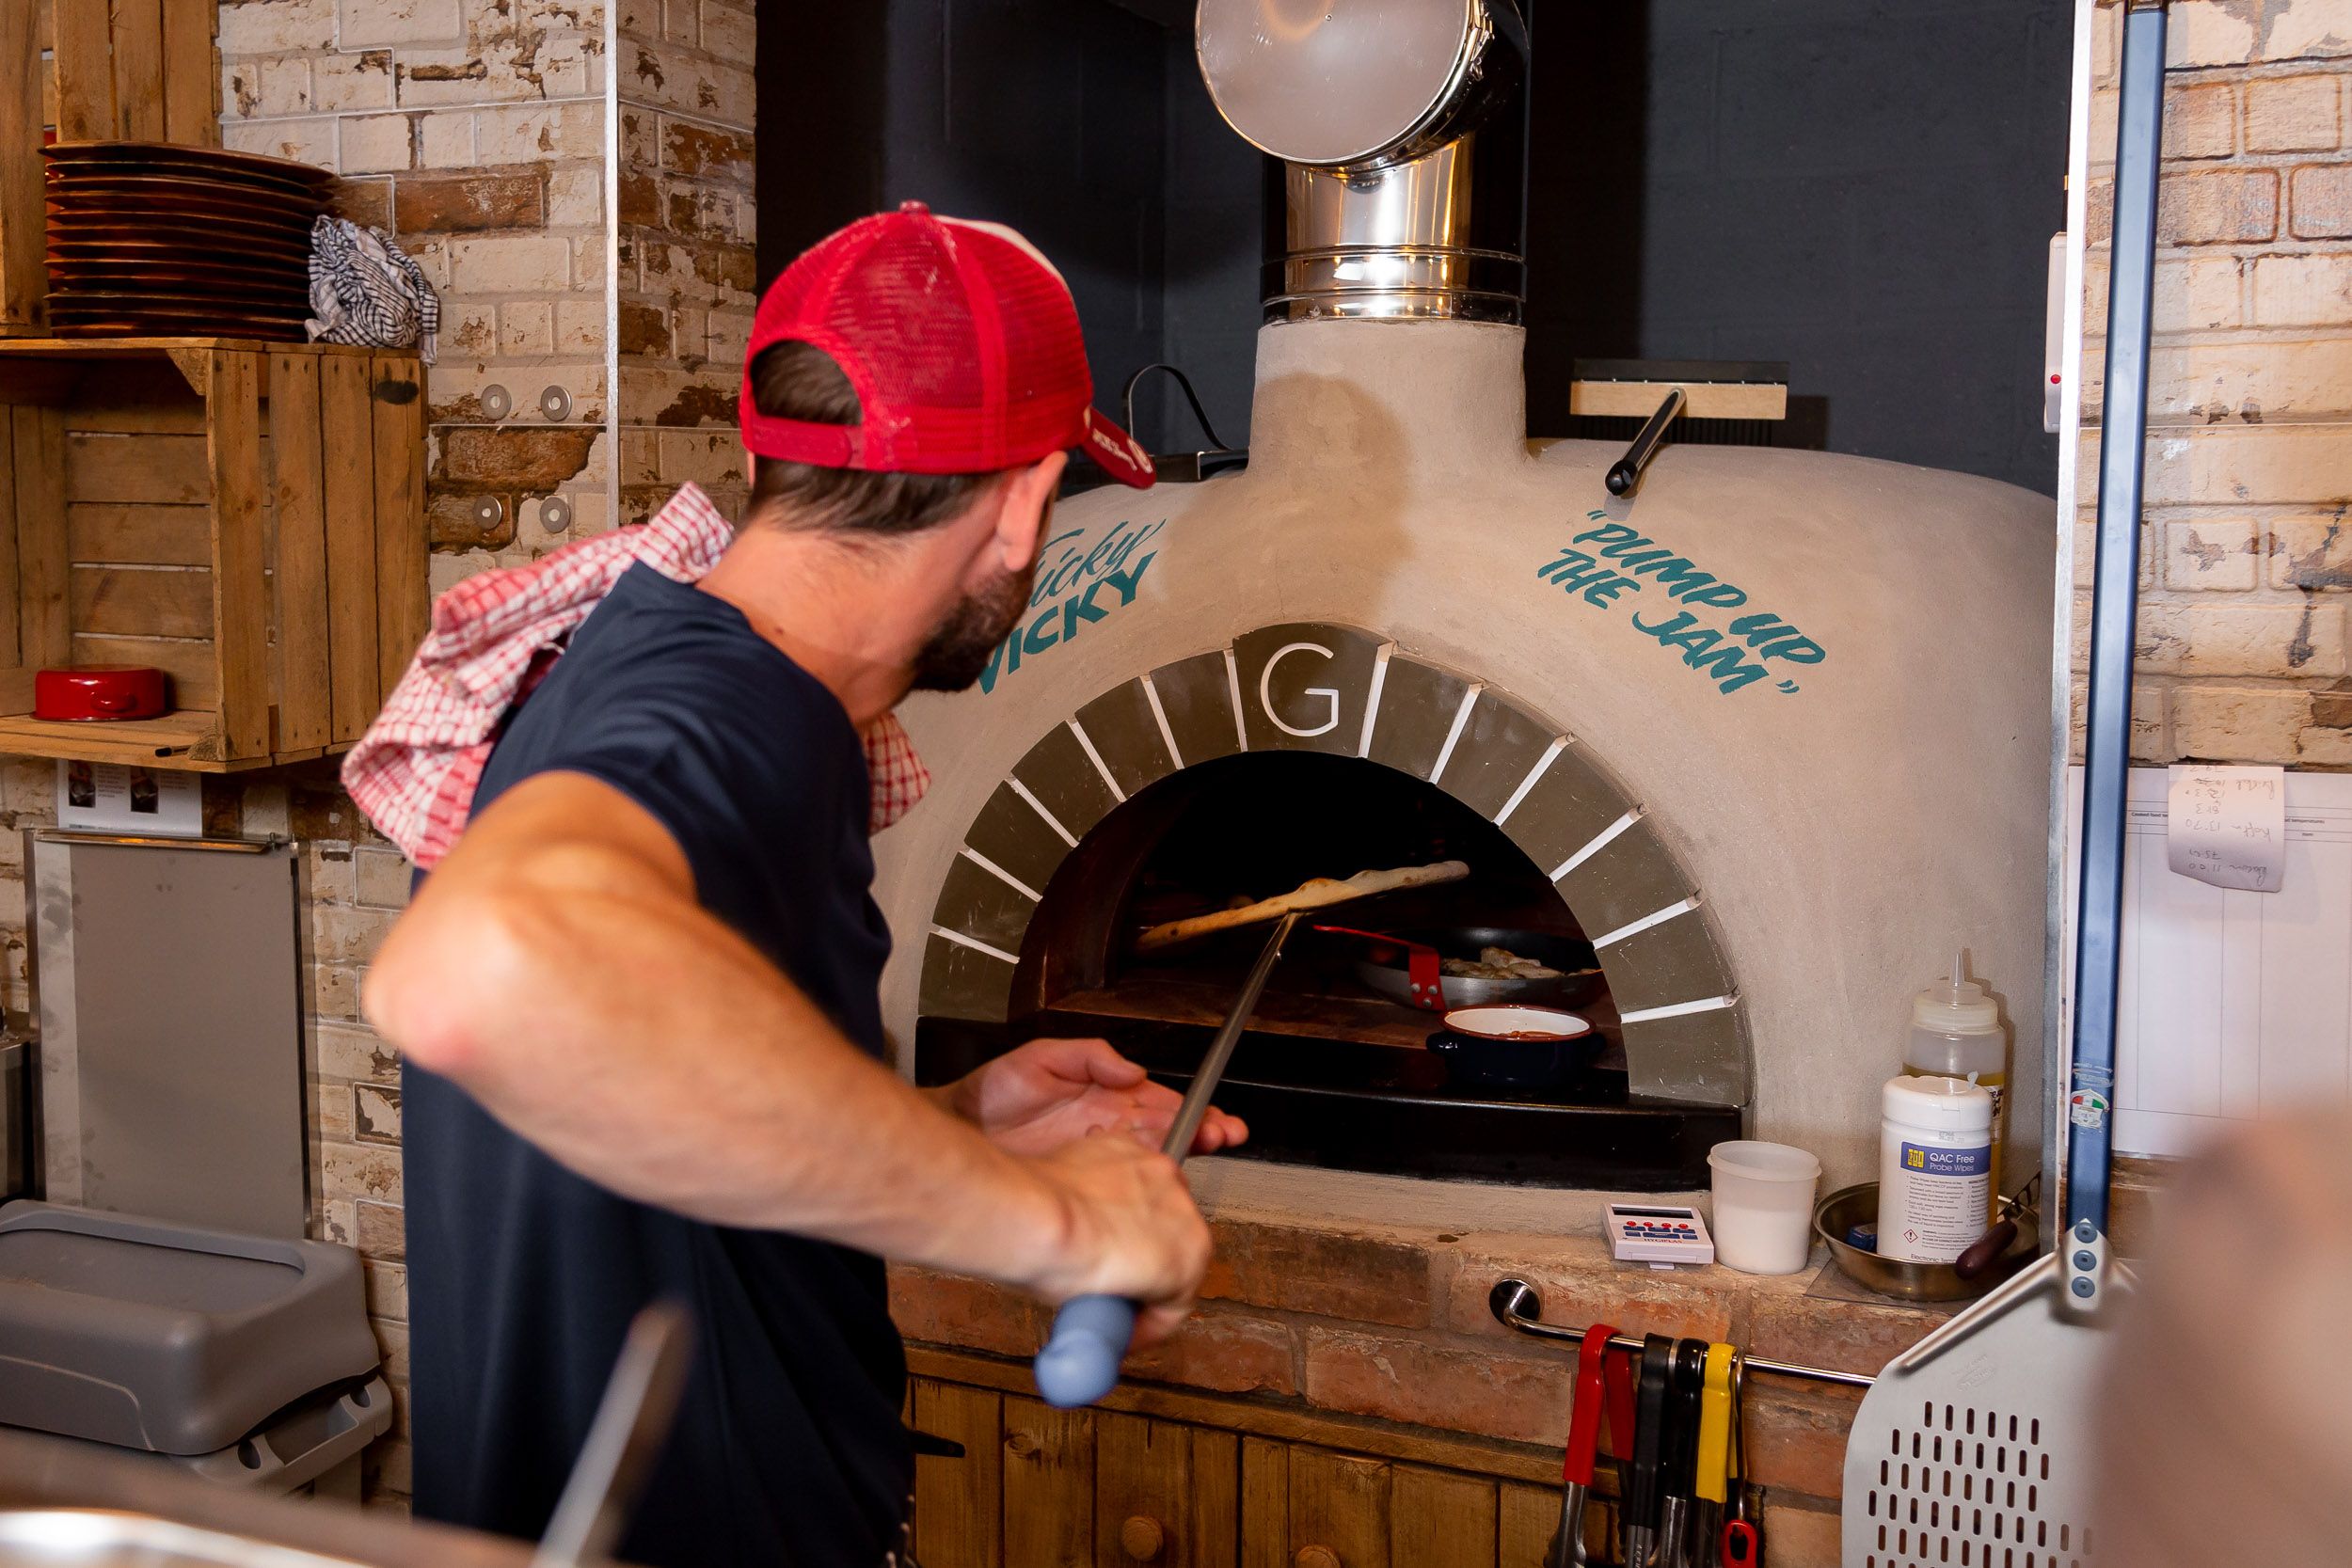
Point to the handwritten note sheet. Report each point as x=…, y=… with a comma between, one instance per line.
x=2228, y=826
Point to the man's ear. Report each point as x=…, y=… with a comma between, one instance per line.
x=1024, y=502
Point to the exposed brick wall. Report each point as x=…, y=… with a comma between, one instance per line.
x=2246, y=558
x=28, y=799
x=686, y=233
x=473, y=131
x=357, y=884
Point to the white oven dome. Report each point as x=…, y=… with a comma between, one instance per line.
x=1809, y=695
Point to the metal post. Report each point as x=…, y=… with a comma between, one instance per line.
x=2115, y=602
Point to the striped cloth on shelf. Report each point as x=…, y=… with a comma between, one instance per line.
x=495, y=637
x=365, y=290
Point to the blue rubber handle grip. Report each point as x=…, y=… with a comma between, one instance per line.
x=1080, y=1361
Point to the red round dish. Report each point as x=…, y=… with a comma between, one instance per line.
x=99, y=692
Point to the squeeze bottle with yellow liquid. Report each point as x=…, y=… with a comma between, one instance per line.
x=1956, y=1032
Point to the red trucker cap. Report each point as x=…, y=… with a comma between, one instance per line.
x=961, y=340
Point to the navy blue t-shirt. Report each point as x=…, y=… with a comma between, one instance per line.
x=787, y=1452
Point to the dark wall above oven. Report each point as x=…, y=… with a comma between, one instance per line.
x=1865, y=188
x=1081, y=122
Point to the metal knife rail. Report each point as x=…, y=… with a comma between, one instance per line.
x=1516, y=1305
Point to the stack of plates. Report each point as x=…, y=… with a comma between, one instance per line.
x=149, y=239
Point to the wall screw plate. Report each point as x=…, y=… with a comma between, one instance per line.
x=555, y=514
x=556, y=404
x=488, y=511
x=497, y=402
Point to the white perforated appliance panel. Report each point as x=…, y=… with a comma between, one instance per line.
x=1974, y=1451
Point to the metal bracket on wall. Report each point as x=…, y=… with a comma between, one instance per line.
x=1659, y=392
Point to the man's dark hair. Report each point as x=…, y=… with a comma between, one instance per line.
x=799, y=380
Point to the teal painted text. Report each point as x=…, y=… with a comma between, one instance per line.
x=1077, y=584
x=1621, y=562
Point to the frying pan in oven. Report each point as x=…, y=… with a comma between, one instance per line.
x=1513, y=1048
x=1382, y=968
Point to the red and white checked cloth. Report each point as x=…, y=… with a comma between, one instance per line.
x=414, y=771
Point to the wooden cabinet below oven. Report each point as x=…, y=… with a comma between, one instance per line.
x=1159, y=1478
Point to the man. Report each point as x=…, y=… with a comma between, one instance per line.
x=637, y=1001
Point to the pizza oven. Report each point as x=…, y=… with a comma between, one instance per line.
x=1760, y=743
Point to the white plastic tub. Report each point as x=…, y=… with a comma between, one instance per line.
x=1763, y=1220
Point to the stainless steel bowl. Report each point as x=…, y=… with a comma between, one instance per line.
x=1851, y=1206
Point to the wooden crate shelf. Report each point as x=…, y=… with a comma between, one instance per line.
x=143, y=742
x=248, y=516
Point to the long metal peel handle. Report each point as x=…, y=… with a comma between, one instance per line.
x=1079, y=1364
x=632, y=1420
x=1080, y=1361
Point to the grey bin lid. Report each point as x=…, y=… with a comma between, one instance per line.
x=168, y=1337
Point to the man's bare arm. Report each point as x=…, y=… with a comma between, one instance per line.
x=557, y=966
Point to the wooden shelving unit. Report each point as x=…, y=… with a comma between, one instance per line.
x=248, y=516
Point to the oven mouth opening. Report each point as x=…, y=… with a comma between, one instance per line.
x=1243, y=827
x=1333, y=1071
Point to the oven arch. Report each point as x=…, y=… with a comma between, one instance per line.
x=1340, y=690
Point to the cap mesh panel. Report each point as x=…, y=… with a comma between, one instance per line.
x=899, y=312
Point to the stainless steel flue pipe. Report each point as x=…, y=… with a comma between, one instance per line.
x=1400, y=127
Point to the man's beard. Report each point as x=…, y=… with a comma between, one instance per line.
x=957, y=649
